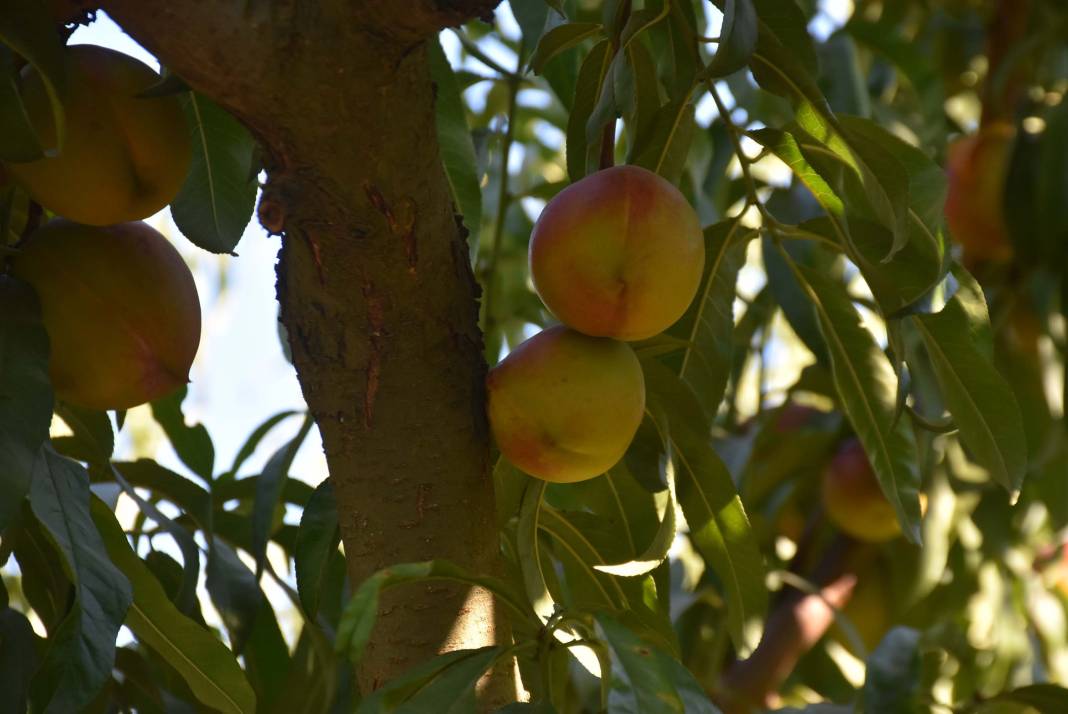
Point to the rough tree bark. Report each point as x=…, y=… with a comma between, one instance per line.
x=373, y=279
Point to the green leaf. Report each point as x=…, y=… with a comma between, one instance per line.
x=166, y=484
x=708, y=324
x=532, y=17
x=317, y=542
x=657, y=550
x=915, y=65
x=444, y=684
x=82, y=652
x=454, y=139
x=893, y=673
x=26, y=404
x=590, y=589
x=26, y=26
x=866, y=385
x=737, y=39
x=269, y=489
x=980, y=400
x=186, y=597
x=216, y=200
x=719, y=526
x=203, y=661
x=784, y=145
x=93, y=439
x=360, y=613
x=254, y=439
x=651, y=681
x=785, y=22
x=588, y=88
x=665, y=146
x=235, y=592
x=1046, y=698
x=561, y=38
x=191, y=443
x=537, y=590
x=18, y=139
x=18, y=660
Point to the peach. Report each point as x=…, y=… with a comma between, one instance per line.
x=618, y=254
x=564, y=406
x=867, y=610
x=977, y=166
x=120, y=307
x=123, y=157
x=853, y=499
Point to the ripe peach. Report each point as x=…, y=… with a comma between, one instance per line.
x=123, y=157
x=977, y=167
x=564, y=406
x=618, y=254
x=120, y=308
x=853, y=498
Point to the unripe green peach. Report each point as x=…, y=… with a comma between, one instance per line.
x=564, y=406
x=618, y=254
x=977, y=166
x=853, y=498
x=120, y=307
x=123, y=157
x=868, y=610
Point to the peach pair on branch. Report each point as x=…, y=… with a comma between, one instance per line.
x=616, y=257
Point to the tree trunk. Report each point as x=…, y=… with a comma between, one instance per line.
x=374, y=282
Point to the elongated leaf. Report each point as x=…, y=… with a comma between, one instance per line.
x=26, y=26
x=980, y=400
x=26, y=401
x=1046, y=698
x=784, y=145
x=18, y=660
x=18, y=138
x=93, y=439
x=269, y=489
x=317, y=542
x=443, y=684
x=83, y=648
x=360, y=613
x=235, y=592
x=719, y=526
x=588, y=87
x=580, y=558
x=529, y=557
x=191, y=443
x=454, y=139
x=216, y=200
x=186, y=597
x=657, y=550
x=666, y=145
x=651, y=680
x=254, y=439
x=166, y=484
x=708, y=324
x=866, y=385
x=560, y=38
x=203, y=661
x=737, y=39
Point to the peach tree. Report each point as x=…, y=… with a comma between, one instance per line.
x=799, y=442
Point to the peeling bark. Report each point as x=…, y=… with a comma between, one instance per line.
x=376, y=290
